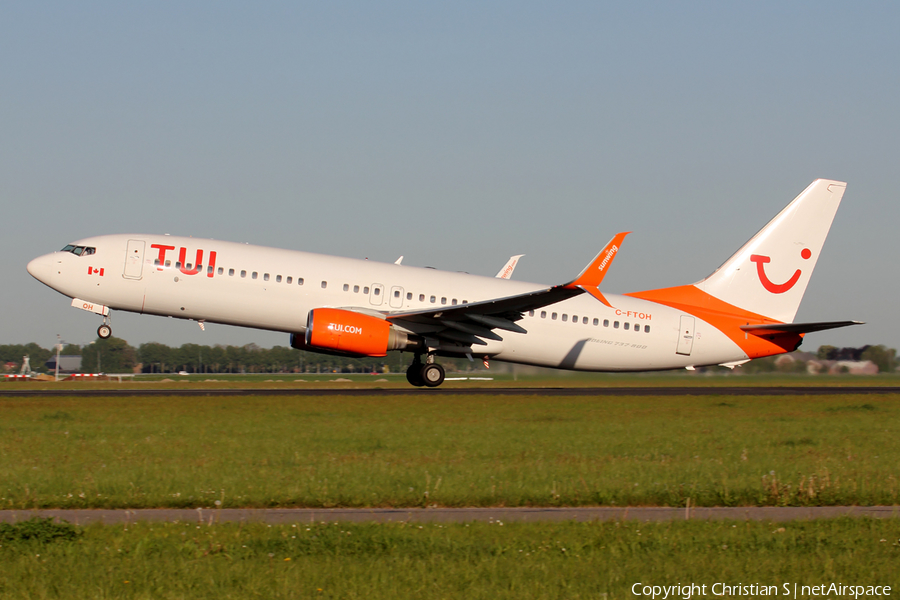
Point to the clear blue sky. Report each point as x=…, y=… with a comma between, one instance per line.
x=456, y=134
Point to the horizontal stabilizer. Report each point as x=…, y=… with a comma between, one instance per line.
x=771, y=328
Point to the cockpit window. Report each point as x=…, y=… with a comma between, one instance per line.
x=79, y=250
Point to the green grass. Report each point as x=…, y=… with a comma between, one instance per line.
x=528, y=377
x=451, y=451
x=479, y=560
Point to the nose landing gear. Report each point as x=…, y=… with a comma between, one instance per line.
x=429, y=374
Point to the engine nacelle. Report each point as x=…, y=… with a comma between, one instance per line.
x=334, y=330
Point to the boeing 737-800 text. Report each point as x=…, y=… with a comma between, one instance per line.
x=350, y=307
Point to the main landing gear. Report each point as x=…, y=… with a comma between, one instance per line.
x=429, y=374
x=105, y=330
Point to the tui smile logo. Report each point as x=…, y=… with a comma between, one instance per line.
x=776, y=288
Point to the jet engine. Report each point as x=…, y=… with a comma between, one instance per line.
x=338, y=331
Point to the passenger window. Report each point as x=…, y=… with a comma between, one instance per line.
x=366, y=290
x=377, y=291
x=409, y=295
x=565, y=317
x=187, y=266
x=443, y=301
x=299, y=281
x=626, y=326
x=596, y=322
x=243, y=273
x=346, y=287
x=584, y=320
x=156, y=262
x=615, y=324
x=396, y=293
x=289, y=280
x=421, y=297
x=543, y=314
x=168, y=263
x=265, y=277
x=530, y=313
x=324, y=284
x=177, y=264
x=552, y=316
x=453, y=302
x=254, y=275
x=231, y=272
x=278, y=279
x=221, y=270
x=606, y=322
x=433, y=299
x=355, y=289
x=646, y=329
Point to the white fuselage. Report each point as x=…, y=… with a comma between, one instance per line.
x=273, y=289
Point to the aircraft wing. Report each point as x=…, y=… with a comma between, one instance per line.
x=464, y=325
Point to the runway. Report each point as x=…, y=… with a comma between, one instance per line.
x=461, y=391
x=275, y=516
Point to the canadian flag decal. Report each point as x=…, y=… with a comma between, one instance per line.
x=95, y=271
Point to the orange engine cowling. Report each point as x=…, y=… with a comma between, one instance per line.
x=348, y=332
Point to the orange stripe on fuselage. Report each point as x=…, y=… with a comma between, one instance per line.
x=726, y=318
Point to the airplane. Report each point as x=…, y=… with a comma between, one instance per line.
x=361, y=308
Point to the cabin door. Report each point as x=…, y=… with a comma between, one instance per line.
x=685, y=336
x=134, y=259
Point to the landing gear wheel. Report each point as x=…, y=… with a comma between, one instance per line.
x=104, y=331
x=414, y=374
x=433, y=374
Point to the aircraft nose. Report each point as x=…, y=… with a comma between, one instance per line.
x=41, y=268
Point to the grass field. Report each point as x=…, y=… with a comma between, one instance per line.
x=452, y=451
x=521, y=561
x=528, y=377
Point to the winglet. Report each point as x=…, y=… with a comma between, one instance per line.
x=510, y=266
x=589, y=280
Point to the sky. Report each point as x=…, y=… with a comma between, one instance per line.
x=455, y=134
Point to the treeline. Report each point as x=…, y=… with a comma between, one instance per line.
x=115, y=355
x=194, y=358
x=881, y=356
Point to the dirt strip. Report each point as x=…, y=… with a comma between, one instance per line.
x=450, y=515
